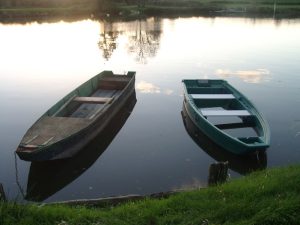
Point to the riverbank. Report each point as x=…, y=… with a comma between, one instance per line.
x=265, y=197
x=120, y=11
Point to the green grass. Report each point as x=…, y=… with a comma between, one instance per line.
x=47, y=10
x=265, y=197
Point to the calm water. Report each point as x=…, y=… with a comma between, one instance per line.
x=147, y=149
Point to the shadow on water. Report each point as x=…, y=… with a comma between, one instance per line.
x=47, y=178
x=241, y=164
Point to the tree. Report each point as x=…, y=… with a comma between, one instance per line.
x=105, y=5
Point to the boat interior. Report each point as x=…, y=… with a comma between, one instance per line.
x=75, y=111
x=242, y=164
x=226, y=110
x=89, y=100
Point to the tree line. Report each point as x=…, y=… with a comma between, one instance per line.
x=65, y=3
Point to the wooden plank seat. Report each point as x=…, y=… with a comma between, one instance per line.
x=116, y=78
x=212, y=96
x=207, y=112
x=93, y=100
x=228, y=126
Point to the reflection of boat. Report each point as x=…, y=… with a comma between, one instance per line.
x=77, y=118
x=46, y=178
x=240, y=163
x=206, y=101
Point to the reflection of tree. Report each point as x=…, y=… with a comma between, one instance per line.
x=143, y=38
x=144, y=42
x=107, y=40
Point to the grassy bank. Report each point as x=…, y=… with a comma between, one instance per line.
x=265, y=197
x=132, y=9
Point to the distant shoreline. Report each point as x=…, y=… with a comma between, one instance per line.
x=132, y=12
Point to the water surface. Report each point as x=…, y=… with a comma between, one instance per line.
x=153, y=151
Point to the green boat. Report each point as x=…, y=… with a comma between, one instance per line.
x=220, y=112
x=242, y=164
x=77, y=118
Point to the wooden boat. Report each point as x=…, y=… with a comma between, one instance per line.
x=242, y=164
x=76, y=119
x=208, y=102
x=48, y=177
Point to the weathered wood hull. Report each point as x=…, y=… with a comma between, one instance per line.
x=236, y=145
x=70, y=144
x=59, y=173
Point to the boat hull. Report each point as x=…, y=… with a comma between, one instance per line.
x=60, y=173
x=231, y=144
x=71, y=145
x=242, y=164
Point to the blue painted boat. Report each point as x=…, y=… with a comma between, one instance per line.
x=208, y=101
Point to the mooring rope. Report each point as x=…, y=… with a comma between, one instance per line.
x=17, y=176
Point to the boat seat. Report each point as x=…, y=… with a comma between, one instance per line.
x=212, y=96
x=93, y=100
x=207, y=112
